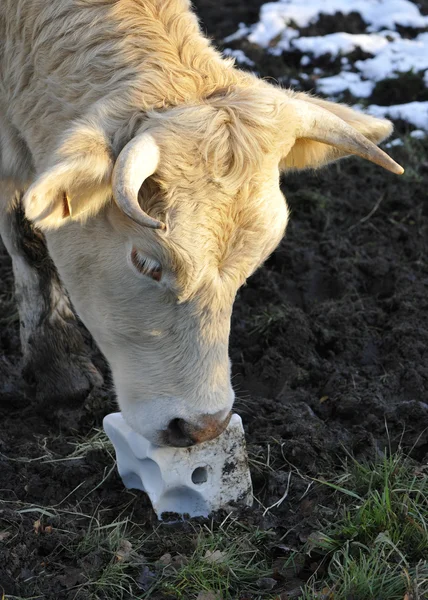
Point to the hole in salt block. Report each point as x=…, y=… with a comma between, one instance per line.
x=182, y=501
x=200, y=475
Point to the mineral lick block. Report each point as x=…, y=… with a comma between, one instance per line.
x=191, y=481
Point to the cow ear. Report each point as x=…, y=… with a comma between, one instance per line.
x=77, y=184
x=309, y=153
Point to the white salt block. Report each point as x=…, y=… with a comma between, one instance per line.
x=191, y=481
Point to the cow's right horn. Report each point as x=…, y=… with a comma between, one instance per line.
x=137, y=161
x=316, y=123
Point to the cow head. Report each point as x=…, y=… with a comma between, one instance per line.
x=197, y=209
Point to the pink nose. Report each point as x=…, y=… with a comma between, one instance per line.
x=180, y=433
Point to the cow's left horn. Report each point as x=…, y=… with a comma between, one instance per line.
x=316, y=123
x=137, y=161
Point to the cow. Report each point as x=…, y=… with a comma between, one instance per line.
x=139, y=174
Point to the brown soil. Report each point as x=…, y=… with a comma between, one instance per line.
x=330, y=351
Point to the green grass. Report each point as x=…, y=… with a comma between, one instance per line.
x=118, y=547
x=270, y=317
x=97, y=440
x=364, y=573
x=378, y=548
x=103, y=537
x=226, y=563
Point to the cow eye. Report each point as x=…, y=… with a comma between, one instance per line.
x=146, y=266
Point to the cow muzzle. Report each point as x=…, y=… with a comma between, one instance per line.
x=180, y=433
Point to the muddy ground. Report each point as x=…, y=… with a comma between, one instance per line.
x=330, y=351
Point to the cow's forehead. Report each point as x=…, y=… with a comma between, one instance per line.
x=224, y=237
x=219, y=185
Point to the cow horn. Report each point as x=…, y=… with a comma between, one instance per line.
x=137, y=161
x=320, y=125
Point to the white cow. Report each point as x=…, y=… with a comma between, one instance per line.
x=151, y=165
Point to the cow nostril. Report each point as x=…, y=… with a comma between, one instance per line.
x=178, y=434
x=181, y=433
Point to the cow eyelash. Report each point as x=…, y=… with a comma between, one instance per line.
x=146, y=266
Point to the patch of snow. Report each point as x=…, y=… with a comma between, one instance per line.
x=392, y=57
x=275, y=17
x=392, y=54
x=284, y=41
x=399, y=56
x=243, y=31
x=396, y=142
x=331, y=86
x=418, y=134
x=239, y=56
x=415, y=113
x=341, y=43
